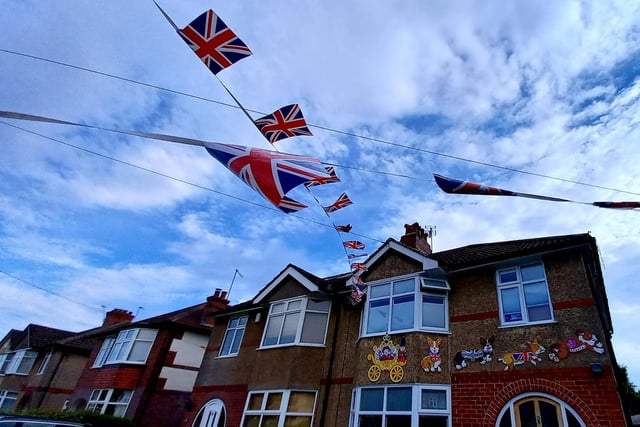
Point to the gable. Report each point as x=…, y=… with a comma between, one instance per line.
x=289, y=283
x=394, y=259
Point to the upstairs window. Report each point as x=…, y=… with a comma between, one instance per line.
x=414, y=303
x=18, y=362
x=44, y=363
x=297, y=321
x=233, y=336
x=130, y=346
x=523, y=295
x=107, y=345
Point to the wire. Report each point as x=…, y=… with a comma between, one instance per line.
x=325, y=128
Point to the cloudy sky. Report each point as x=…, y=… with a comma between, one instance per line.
x=533, y=97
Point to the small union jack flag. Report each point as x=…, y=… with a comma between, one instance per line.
x=344, y=228
x=353, y=244
x=269, y=173
x=617, y=205
x=358, y=266
x=342, y=202
x=352, y=256
x=283, y=123
x=332, y=178
x=214, y=43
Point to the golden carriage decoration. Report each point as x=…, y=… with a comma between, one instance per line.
x=388, y=358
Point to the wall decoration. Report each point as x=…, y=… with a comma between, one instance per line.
x=583, y=340
x=531, y=355
x=431, y=362
x=484, y=353
x=389, y=358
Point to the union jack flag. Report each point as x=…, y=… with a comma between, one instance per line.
x=214, y=43
x=352, y=256
x=358, y=266
x=617, y=205
x=344, y=228
x=269, y=173
x=342, y=202
x=283, y=123
x=457, y=186
x=332, y=178
x=353, y=244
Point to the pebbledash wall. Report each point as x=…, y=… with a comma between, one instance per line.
x=565, y=363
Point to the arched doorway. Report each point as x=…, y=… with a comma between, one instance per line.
x=538, y=410
x=212, y=414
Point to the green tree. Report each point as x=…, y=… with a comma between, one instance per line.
x=628, y=393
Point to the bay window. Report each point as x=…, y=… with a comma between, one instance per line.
x=130, y=346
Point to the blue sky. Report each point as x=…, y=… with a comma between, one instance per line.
x=547, y=89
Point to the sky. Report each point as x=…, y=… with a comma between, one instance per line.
x=533, y=97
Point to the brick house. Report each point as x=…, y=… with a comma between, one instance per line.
x=39, y=367
x=498, y=334
x=145, y=370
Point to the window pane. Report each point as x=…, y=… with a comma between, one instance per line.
x=378, y=319
x=297, y=421
x=432, y=283
x=294, y=305
x=139, y=351
x=402, y=313
x=255, y=402
x=433, y=399
x=371, y=399
x=433, y=311
x=243, y=321
x=320, y=305
x=398, y=420
x=274, y=324
x=277, y=308
x=532, y=272
x=147, y=334
x=434, y=421
x=380, y=290
x=506, y=419
x=290, y=328
x=399, y=399
x=549, y=414
x=313, y=330
x=226, y=342
x=535, y=295
x=273, y=401
x=371, y=421
x=404, y=286
x=300, y=401
x=511, y=304
x=233, y=323
x=508, y=276
x=237, y=339
x=527, y=413
x=251, y=421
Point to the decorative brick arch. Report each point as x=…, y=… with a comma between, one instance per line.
x=538, y=385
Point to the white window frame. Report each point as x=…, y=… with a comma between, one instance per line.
x=303, y=310
x=14, y=362
x=5, y=359
x=234, y=333
x=8, y=396
x=519, y=285
x=416, y=401
x=44, y=363
x=422, y=287
x=510, y=406
x=212, y=414
x=102, y=399
x=280, y=412
x=120, y=348
x=105, y=349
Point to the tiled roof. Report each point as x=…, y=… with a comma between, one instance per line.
x=486, y=253
x=190, y=316
x=37, y=336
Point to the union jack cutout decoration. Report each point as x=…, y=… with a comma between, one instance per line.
x=332, y=178
x=269, y=173
x=214, y=43
x=353, y=244
x=283, y=123
x=358, y=266
x=342, y=202
x=344, y=228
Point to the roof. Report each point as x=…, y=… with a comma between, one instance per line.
x=35, y=336
x=488, y=253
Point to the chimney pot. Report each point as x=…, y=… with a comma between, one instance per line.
x=415, y=237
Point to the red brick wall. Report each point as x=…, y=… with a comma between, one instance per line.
x=478, y=397
x=233, y=396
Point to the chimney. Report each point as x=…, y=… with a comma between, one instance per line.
x=216, y=302
x=117, y=315
x=415, y=237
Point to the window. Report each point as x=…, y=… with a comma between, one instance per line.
x=110, y=401
x=414, y=303
x=44, y=363
x=532, y=409
x=233, y=336
x=8, y=400
x=18, y=362
x=212, y=414
x=393, y=406
x=130, y=346
x=297, y=321
x=523, y=295
x=279, y=408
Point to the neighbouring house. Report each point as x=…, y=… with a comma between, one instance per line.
x=496, y=334
x=145, y=370
x=39, y=367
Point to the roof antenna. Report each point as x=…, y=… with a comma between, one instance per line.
x=104, y=312
x=430, y=234
x=139, y=308
x=235, y=273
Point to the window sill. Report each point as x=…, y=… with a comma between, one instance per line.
x=407, y=331
x=523, y=325
x=291, y=345
x=227, y=356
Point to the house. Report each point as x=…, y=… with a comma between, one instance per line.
x=145, y=370
x=495, y=334
x=39, y=367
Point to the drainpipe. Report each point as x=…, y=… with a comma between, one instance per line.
x=327, y=388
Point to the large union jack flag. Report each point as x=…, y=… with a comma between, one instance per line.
x=343, y=201
x=353, y=244
x=457, y=186
x=332, y=178
x=269, y=173
x=214, y=43
x=283, y=123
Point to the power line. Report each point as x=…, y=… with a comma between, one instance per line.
x=325, y=128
